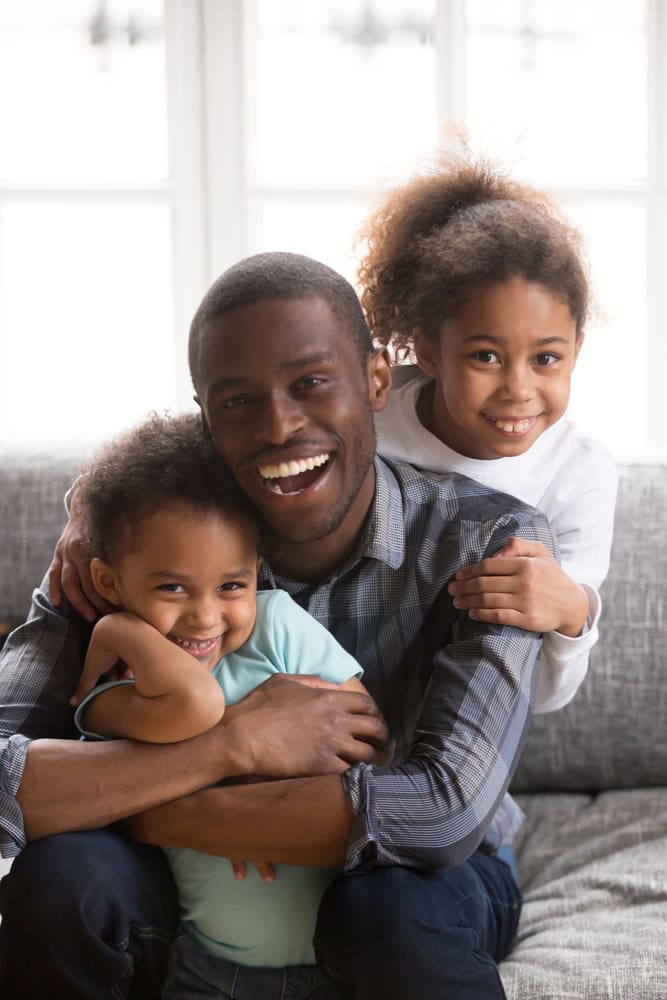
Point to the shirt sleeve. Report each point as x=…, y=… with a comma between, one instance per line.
x=39, y=668
x=433, y=808
x=584, y=526
x=564, y=660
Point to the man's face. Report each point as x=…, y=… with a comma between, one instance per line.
x=289, y=405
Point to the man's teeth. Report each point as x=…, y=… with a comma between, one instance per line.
x=513, y=427
x=293, y=468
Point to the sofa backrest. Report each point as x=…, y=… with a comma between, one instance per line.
x=612, y=735
x=32, y=515
x=614, y=732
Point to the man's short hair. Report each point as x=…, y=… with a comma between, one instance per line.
x=285, y=276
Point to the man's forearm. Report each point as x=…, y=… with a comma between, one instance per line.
x=305, y=821
x=71, y=785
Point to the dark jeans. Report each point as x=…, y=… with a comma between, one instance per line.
x=86, y=915
x=91, y=915
x=401, y=934
x=195, y=973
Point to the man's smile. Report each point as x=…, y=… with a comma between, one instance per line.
x=290, y=477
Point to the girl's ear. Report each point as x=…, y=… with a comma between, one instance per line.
x=379, y=378
x=577, y=346
x=426, y=353
x=104, y=580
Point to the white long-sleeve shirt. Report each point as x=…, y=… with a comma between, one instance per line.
x=567, y=475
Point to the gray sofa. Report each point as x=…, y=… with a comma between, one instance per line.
x=593, y=777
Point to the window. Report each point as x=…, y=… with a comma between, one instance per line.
x=86, y=308
x=150, y=145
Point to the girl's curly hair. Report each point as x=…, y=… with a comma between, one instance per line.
x=462, y=223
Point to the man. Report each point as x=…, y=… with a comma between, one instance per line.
x=288, y=382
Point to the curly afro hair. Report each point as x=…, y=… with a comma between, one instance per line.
x=458, y=225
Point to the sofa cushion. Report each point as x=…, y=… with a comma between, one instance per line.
x=593, y=925
x=613, y=734
x=32, y=487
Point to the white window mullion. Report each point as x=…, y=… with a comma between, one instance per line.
x=4, y=333
x=223, y=41
x=183, y=31
x=656, y=355
x=450, y=46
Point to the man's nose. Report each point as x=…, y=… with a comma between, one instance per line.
x=282, y=418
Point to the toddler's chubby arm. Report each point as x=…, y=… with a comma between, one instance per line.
x=173, y=697
x=522, y=585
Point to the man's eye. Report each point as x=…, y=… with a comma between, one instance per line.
x=236, y=401
x=231, y=585
x=311, y=382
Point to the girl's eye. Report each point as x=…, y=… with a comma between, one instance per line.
x=544, y=360
x=231, y=585
x=171, y=588
x=486, y=357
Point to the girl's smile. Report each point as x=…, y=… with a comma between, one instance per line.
x=501, y=369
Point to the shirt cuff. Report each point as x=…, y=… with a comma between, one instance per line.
x=12, y=764
x=363, y=848
x=565, y=646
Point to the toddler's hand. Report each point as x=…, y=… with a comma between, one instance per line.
x=263, y=867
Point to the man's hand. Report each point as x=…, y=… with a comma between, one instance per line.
x=69, y=573
x=522, y=585
x=287, y=728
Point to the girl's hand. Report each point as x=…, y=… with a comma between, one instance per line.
x=523, y=586
x=69, y=573
x=240, y=869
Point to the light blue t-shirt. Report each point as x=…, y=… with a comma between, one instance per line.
x=250, y=921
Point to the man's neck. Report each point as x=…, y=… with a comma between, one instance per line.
x=314, y=561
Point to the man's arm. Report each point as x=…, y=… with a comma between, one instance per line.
x=54, y=785
x=303, y=821
x=429, y=810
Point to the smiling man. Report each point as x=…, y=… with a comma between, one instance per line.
x=288, y=383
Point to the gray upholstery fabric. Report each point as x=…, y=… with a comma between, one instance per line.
x=32, y=487
x=614, y=733
x=594, y=922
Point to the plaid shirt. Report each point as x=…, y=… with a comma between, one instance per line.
x=456, y=693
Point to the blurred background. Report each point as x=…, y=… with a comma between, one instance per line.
x=147, y=145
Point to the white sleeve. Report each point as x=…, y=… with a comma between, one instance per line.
x=583, y=524
x=564, y=660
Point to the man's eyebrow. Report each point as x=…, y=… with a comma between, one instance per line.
x=294, y=364
x=540, y=342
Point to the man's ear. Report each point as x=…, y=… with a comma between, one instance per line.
x=379, y=378
x=104, y=580
x=426, y=353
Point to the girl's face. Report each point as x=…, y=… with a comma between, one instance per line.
x=502, y=369
x=192, y=576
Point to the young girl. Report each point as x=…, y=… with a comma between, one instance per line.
x=176, y=552
x=480, y=280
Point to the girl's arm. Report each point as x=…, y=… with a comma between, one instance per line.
x=173, y=697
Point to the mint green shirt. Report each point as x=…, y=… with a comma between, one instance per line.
x=250, y=921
